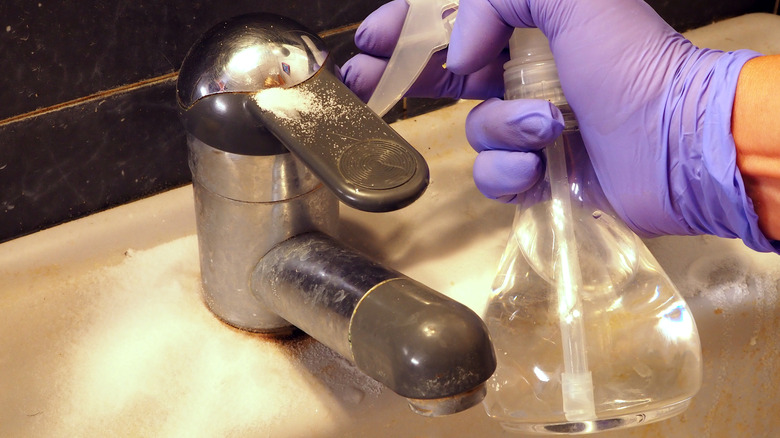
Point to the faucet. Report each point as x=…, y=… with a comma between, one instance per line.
x=275, y=142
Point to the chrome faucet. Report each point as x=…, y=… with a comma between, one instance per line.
x=275, y=141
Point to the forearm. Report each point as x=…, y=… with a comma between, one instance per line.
x=756, y=129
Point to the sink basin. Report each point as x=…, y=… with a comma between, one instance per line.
x=105, y=334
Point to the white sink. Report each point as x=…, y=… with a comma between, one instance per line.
x=104, y=334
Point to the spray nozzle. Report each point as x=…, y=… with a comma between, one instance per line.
x=426, y=30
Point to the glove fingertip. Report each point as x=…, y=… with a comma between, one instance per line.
x=379, y=32
x=557, y=117
x=522, y=124
x=469, y=53
x=506, y=199
x=361, y=74
x=502, y=175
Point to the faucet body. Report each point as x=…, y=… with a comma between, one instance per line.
x=245, y=205
x=267, y=181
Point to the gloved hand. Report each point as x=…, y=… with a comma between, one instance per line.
x=501, y=170
x=653, y=109
x=377, y=36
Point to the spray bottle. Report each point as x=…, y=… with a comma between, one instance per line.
x=590, y=333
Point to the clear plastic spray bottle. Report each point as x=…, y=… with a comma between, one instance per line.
x=589, y=331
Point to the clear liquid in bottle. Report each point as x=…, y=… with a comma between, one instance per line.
x=639, y=338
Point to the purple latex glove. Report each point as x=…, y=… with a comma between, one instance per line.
x=377, y=36
x=654, y=110
x=501, y=170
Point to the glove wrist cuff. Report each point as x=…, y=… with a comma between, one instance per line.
x=714, y=199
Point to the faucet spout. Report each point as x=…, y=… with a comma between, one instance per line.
x=419, y=343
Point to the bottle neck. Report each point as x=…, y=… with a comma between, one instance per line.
x=531, y=73
x=570, y=123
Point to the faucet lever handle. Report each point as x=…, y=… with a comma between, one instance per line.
x=350, y=148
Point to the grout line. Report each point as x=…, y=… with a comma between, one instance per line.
x=347, y=28
x=95, y=96
x=134, y=86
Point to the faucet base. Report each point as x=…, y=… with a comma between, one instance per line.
x=448, y=405
x=240, y=218
x=281, y=332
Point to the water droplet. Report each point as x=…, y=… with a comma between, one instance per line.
x=354, y=394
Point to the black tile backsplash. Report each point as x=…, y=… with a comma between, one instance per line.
x=60, y=51
x=689, y=14
x=89, y=120
x=67, y=164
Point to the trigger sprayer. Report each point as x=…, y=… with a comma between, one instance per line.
x=425, y=31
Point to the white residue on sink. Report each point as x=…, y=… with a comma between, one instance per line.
x=715, y=268
x=131, y=350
